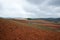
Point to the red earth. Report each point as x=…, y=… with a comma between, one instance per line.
x=45, y=23
x=13, y=30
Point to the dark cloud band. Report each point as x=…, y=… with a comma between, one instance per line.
x=36, y=1
x=54, y=2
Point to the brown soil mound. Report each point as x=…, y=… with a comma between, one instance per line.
x=11, y=30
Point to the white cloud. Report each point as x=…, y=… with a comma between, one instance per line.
x=13, y=8
x=31, y=8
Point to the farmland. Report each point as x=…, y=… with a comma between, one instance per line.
x=14, y=29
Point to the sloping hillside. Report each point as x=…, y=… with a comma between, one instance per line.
x=13, y=30
x=40, y=21
x=44, y=23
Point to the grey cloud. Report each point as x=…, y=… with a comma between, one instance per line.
x=38, y=13
x=44, y=11
x=36, y=1
x=54, y=2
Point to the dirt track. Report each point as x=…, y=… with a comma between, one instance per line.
x=12, y=30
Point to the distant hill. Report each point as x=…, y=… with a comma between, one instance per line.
x=56, y=20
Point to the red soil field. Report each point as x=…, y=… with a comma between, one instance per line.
x=40, y=21
x=51, y=25
x=12, y=30
x=45, y=23
x=21, y=21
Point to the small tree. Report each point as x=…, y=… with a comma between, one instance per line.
x=29, y=18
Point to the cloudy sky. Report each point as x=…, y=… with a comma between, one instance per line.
x=30, y=8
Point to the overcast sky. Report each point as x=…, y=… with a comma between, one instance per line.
x=30, y=8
